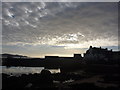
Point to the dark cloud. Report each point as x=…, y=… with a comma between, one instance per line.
x=60, y=23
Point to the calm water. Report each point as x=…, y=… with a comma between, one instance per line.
x=25, y=70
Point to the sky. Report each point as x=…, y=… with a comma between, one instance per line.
x=37, y=29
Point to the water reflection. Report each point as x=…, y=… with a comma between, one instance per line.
x=26, y=70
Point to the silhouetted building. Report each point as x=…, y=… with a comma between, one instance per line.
x=77, y=56
x=51, y=57
x=101, y=54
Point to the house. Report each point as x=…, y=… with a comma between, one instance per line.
x=96, y=54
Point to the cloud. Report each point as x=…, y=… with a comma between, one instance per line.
x=60, y=23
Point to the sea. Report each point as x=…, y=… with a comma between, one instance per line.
x=24, y=70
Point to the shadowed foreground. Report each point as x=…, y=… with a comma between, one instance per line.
x=84, y=79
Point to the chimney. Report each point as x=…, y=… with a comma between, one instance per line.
x=90, y=46
x=111, y=50
x=105, y=48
